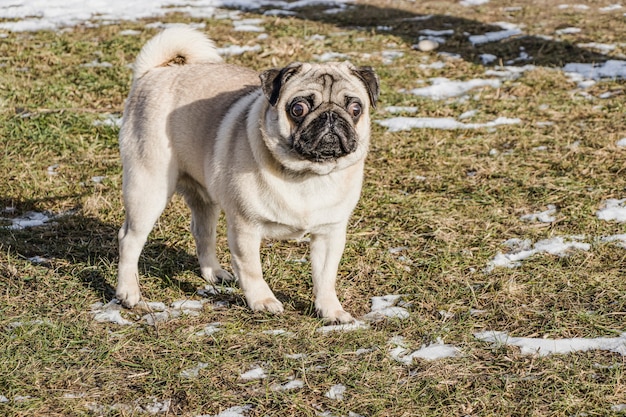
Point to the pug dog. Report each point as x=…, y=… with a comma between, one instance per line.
x=281, y=153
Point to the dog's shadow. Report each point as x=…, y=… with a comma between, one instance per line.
x=85, y=249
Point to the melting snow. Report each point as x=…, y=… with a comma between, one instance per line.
x=408, y=109
x=546, y=216
x=385, y=307
x=356, y=325
x=543, y=347
x=620, y=239
x=252, y=374
x=523, y=249
x=468, y=3
x=493, y=36
x=193, y=372
x=109, y=313
x=29, y=219
x=330, y=56
x=293, y=384
x=238, y=411
x=609, y=69
x=248, y=25
x=233, y=50
x=437, y=350
x=209, y=329
x=443, y=88
x=397, y=124
x=110, y=120
x=336, y=392
x=613, y=210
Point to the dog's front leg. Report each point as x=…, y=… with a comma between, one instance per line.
x=244, y=241
x=326, y=251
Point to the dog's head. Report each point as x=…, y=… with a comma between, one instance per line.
x=319, y=114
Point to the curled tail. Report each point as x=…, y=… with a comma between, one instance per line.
x=177, y=45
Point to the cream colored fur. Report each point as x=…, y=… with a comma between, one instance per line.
x=207, y=130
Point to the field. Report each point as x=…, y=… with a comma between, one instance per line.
x=499, y=224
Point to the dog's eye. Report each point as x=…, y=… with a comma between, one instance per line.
x=299, y=109
x=354, y=109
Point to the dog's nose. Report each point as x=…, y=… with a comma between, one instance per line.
x=330, y=117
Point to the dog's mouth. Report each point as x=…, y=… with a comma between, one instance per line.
x=326, y=138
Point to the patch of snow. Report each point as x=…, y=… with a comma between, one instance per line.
x=330, y=56
x=613, y=210
x=443, y=88
x=278, y=332
x=233, y=50
x=567, y=31
x=110, y=120
x=611, y=8
x=248, y=25
x=602, y=47
x=336, y=392
x=356, y=325
x=194, y=371
x=188, y=305
x=389, y=56
x=620, y=239
x=487, y=58
x=543, y=347
x=38, y=259
x=109, y=313
x=610, y=69
x=56, y=14
x=293, y=384
x=468, y=3
x=130, y=32
x=279, y=12
x=29, y=219
x=573, y=6
x=209, y=329
x=386, y=307
x=494, y=36
x=433, y=65
x=434, y=351
x=397, y=124
x=546, y=216
x=238, y=411
x=521, y=250
x=509, y=72
x=403, y=109
x=96, y=63
x=254, y=373
x=468, y=114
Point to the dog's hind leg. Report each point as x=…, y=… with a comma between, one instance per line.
x=204, y=217
x=146, y=193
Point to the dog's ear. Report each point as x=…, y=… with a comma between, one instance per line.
x=370, y=80
x=272, y=80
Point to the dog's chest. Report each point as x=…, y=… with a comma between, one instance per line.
x=290, y=209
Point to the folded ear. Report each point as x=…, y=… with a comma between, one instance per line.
x=272, y=80
x=370, y=80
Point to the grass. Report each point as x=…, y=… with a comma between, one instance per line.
x=452, y=223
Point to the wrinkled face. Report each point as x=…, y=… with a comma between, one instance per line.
x=322, y=112
x=323, y=122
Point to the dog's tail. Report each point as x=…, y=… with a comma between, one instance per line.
x=175, y=46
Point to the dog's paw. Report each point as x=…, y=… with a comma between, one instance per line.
x=217, y=275
x=128, y=298
x=270, y=304
x=337, y=317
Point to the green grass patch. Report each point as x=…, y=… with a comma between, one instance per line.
x=437, y=206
